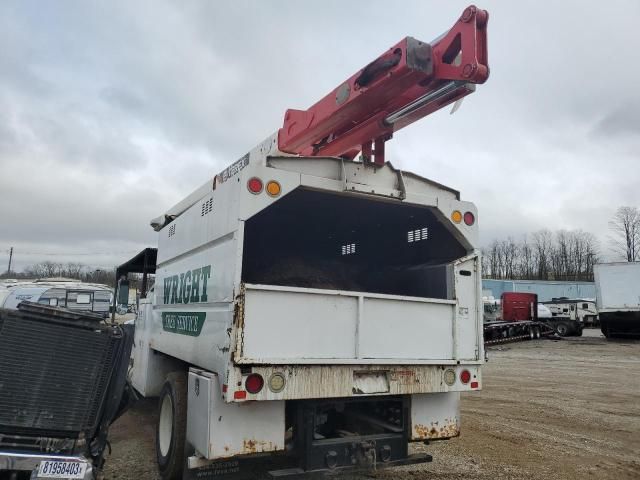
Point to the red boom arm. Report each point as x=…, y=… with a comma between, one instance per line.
x=408, y=82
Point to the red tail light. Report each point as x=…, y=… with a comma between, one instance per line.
x=465, y=376
x=254, y=383
x=469, y=218
x=254, y=185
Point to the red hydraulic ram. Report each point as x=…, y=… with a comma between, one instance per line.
x=408, y=82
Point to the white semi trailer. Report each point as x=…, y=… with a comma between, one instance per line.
x=320, y=309
x=618, y=298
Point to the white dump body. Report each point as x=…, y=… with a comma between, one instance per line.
x=617, y=286
x=352, y=281
x=210, y=313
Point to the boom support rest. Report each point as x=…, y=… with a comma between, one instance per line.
x=408, y=82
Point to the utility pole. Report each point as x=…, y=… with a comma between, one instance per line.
x=10, y=257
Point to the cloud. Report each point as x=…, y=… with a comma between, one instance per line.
x=112, y=112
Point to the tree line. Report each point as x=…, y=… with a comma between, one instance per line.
x=563, y=254
x=544, y=255
x=76, y=271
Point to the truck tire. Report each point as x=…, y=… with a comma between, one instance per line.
x=563, y=329
x=171, y=428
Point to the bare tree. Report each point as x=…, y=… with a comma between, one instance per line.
x=542, y=246
x=625, y=226
x=563, y=255
x=527, y=263
x=73, y=270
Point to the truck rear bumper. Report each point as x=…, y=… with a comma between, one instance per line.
x=30, y=462
x=297, y=382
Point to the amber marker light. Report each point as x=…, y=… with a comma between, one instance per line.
x=273, y=188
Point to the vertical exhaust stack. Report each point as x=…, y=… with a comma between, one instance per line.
x=411, y=80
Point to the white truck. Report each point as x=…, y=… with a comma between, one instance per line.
x=618, y=298
x=321, y=309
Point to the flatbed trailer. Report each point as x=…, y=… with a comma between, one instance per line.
x=503, y=332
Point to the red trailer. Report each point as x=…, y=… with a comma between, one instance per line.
x=519, y=307
x=517, y=320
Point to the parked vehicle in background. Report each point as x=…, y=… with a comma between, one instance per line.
x=493, y=310
x=618, y=298
x=512, y=318
x=67, y=293
x=63, y=382
x=518, y=307
x=584, y=310
x=519, y=316
x=543, y=311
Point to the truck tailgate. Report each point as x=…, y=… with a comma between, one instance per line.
x=300, y=325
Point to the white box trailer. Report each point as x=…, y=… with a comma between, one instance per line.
x=618, y=297
x=350, y=282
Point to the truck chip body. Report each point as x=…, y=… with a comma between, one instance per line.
x=288, y=280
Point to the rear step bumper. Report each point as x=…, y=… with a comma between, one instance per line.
x=362, y=432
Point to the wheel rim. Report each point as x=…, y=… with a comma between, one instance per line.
x=562, y=330
x=165, y=426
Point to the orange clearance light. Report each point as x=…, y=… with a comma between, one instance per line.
x=456, y=216
x=254, y=185
x=273, y=188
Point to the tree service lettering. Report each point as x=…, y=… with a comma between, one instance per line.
x=188, y=287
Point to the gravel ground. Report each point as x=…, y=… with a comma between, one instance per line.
x=549, y=410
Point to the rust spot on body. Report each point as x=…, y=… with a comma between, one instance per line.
x=256, y=446
x=449, y=429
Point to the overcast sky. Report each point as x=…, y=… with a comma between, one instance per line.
x=110, y=112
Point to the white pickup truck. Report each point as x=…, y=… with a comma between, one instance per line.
x=318, y=285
